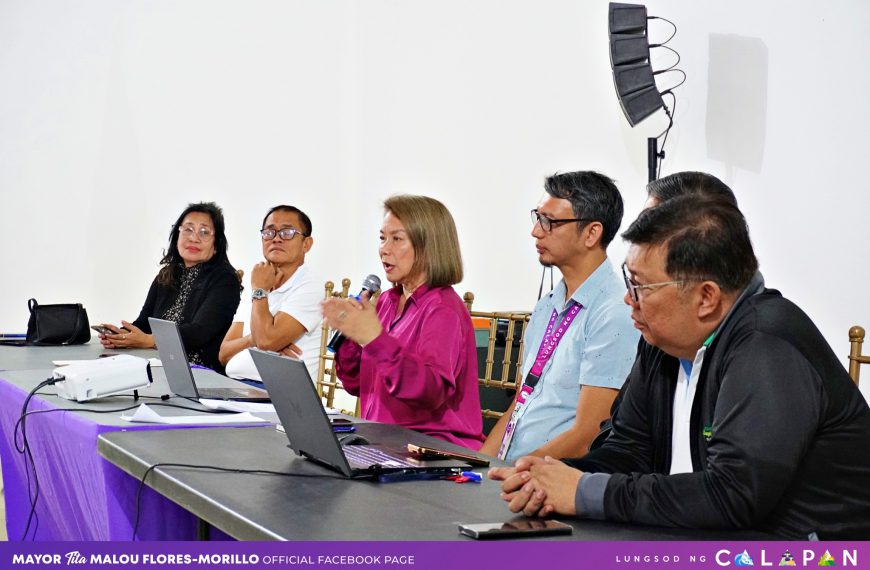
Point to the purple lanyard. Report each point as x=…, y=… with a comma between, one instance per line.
x=551, y=340
x=552, y=337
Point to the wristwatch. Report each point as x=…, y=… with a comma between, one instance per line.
x=258, y=294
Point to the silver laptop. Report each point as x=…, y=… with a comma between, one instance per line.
x=310, y=432
x=178, y=373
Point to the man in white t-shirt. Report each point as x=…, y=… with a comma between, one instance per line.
x=284, y=307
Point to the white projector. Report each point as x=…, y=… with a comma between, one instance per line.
x=91, y=379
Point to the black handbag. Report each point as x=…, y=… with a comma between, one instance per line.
x=57, y=324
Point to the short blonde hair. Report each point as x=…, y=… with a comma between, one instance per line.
x=433, y=236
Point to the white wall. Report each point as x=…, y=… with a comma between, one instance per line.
x=114, y=115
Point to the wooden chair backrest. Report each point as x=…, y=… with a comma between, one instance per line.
x=507, y=372
x=327, y=382
x=856, y=359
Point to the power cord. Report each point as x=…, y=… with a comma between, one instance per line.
x=24, y=449
x=215, y=468
x=668, y=21
x=670, y=112
x=102, y=411
x=33, y=489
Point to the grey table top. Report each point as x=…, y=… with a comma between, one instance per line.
x=272, y=507
x=27, y=379
x=40, y=357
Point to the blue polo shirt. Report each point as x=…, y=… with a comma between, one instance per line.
x=598, y=350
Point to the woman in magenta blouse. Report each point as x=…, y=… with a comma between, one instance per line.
x=412, y=359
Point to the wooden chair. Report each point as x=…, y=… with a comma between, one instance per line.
x=327, y=383
x=856, y=339
x=506, y=373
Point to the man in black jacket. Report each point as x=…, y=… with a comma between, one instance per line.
x=737, y=412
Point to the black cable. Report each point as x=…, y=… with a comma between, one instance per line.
x=164, y=397
x=32, y=490
x=668, y=21
x=673, y=71
x=20, y=421
x=670, y=113
x=670, y=91
x=216, y=468
x=180, y=407
x=24, y=448
x=110, y=411
x=676, y=63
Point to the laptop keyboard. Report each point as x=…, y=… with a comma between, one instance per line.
x=364, y=456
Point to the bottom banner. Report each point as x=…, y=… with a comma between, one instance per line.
x=527, y=555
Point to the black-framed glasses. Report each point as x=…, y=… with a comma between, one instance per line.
x=548, y=223
x=204, y=233
x=634, y=289
x=285, y=233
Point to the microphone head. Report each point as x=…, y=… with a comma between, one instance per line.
x=371, y=283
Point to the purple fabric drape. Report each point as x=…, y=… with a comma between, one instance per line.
x=82, y=496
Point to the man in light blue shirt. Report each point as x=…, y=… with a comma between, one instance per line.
x=580, y=342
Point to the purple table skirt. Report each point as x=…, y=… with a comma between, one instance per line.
x=82, y=496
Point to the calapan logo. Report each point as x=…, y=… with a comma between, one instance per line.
x=743, y=559
x=827, y=560
x=803, y=558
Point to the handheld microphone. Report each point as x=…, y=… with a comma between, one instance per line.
x=372, y=284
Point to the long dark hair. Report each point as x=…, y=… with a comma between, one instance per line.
x=172, y=263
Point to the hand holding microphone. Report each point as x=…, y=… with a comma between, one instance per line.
x=354, y=318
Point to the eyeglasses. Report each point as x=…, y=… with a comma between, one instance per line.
x=548, y=223
x=205, y=234
x=285, y=233
x=634, y=289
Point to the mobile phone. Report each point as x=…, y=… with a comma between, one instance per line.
x=103, y=329
x=515, y=529
x=431, y=453
x=343, y=428
x=341, y=422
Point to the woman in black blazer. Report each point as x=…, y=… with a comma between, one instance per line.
x=196, y=288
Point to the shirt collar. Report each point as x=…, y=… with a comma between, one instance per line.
x=755, y=286
x=300, y=271
x=587, y=292
x=419, y=292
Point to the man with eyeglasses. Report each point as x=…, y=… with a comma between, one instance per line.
x=658, y=191
x=579, y=341
x=284, y=306
x=737, y=413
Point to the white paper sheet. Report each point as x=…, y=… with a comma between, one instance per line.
x=154, y=362
x=145, y=414
x=253, y=407
x=236, y=406
x=68, y=362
